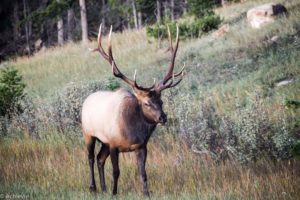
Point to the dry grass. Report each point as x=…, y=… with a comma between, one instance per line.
x=220, y=72
x=53, y=169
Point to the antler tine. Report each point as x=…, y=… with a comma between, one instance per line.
x=170, y=40
x=99, y=47
x=174, y=52
x=181, y=71
x=99, y=36
x=134, y=76
x=177, y=82
x=111, y=60
x=171, y=84
x=118, y=73
x=135, y=83
x=109, y=57
x=166, y=82
x=109, y=44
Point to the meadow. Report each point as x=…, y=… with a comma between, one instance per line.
x=230, y=132
x=59, y=170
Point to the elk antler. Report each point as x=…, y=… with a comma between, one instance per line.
x=109, y=57
x=167, y=81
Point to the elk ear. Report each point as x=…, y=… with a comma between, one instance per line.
x=153, y=93
x=139, y=92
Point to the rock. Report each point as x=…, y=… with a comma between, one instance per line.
x=264, y=14
x=274, y=38
x=38, y=44
x=221, y=31
x=284, y=82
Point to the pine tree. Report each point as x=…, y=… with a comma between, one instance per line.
x=199, y=8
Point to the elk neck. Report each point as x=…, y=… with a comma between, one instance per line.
x=135, y=126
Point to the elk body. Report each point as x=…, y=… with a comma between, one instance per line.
x=123, y=121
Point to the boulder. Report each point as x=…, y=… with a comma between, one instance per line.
x=284, y=82
x=221, y=31
x=264, y=14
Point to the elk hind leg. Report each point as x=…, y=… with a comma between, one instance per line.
x=101, y=158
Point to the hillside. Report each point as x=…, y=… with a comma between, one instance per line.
x=230, y=117
x=243, y=66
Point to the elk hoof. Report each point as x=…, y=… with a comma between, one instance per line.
x=146, y=194
x=92, y=188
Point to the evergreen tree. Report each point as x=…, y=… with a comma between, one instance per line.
x=200, y=8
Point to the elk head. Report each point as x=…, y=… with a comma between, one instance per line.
x=149, y=98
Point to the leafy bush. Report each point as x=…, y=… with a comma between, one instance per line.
x=187, y=29
x=61, y=113
x=11, y=91
x=296, y=150
x=247, y=134
x=112, y=84
x=66, y=106
x=209, y=22
x=200, y=8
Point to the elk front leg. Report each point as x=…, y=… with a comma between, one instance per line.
x=90, y=145
x=141, y=155
x=114, y=155
x=101, y=158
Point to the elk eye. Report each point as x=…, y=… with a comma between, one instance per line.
x=146, y=104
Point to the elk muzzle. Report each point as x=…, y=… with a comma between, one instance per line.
x=162, y=119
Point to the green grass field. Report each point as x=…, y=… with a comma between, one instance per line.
x=230, y=86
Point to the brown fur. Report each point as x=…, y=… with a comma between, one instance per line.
x=123, y=121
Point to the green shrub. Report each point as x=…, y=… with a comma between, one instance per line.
x=66, y=107
x=11, y=91
x=209, y=22
x=200, y=8
x=292, y=103
x=61, y=113
x=246, y=134
x=296, y=150
x=187, y=29
x=112, y=83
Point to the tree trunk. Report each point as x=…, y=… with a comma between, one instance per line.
x=140, y=19
x=71, y=24
x=158, y=13
x=26, y=28
x=103, y=11
x=16, y=22
x=172, y=9
x=84, y=25
x=60, y=30
x=134, y=15
x=44, y=36
x=223, y=2
x=29, y=21
x=185, y=7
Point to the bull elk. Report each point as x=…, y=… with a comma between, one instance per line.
x=123, y=121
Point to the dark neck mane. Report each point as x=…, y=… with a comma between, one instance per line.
x=133, y=121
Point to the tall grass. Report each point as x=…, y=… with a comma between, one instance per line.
x=229, y=93
x=56, y=170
